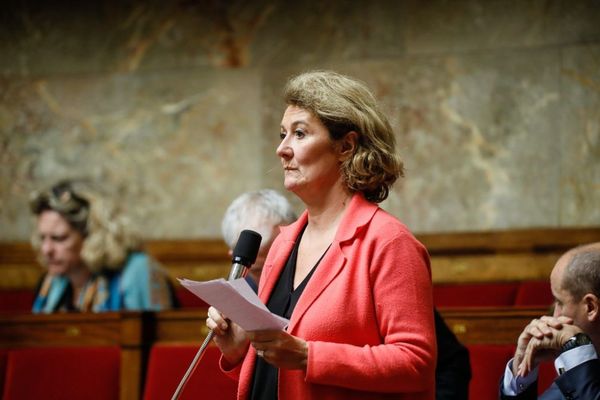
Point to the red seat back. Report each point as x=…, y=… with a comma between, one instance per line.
x=188, y=299
x=534, y=293
x=168, y=364
x=63, y=373
x=487, y=368
x=475, y=294
x=16, y=300
x=3, y=359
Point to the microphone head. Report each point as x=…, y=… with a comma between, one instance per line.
x=246, y=248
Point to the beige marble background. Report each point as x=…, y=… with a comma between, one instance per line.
x=174, y=106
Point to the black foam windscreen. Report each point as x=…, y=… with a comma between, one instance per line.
x=247, y=247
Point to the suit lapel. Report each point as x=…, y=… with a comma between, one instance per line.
x=553, y=393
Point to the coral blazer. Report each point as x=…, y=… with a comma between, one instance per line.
x=366, y=313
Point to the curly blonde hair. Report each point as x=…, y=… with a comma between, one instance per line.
x=108, y=238
x=344, y=104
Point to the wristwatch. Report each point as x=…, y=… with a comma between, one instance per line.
x=579, y=339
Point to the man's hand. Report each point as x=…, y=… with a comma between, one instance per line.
x=538, y=330
x=547, y=346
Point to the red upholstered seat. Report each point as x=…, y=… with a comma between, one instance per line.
x=3, y=357
x=487, y=367
x=16, y=300
x=534, y=293
x=63, y=373
x=475, y=294
x=188, y=299
x=168, y=364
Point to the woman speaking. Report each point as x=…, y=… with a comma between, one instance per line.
x=352, y=280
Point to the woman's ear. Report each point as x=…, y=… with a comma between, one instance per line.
x=348, y=145
x=592, y=307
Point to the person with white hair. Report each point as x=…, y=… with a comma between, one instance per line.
x=262, y=211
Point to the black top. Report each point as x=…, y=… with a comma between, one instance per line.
x=282, y=302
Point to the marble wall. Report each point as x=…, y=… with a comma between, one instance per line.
x=175, y=106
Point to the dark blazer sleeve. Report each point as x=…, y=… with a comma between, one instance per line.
x=581, y=382
x=453, y=370
x=529, y=394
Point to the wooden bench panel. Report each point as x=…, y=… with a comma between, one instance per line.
x=512, y=255
x=490, y=325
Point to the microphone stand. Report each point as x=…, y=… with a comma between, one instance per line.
x=237, y=271
x=193, y=365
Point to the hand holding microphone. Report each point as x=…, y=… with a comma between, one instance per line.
x=290, y=352
x=244, y=255
x=231, y=339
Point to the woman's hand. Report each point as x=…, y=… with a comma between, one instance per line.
x=280, y=349
x=229, y=337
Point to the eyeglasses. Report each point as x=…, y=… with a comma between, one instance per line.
x=63, y=199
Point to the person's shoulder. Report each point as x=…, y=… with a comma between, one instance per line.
x=387, y=228
x=389, y=224
x=137, y=262
x=139, y=267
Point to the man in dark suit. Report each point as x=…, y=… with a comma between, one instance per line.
x=571, y=336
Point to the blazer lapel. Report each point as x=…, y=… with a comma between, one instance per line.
x=329, y=267
x=358, y=214
x=357, y=217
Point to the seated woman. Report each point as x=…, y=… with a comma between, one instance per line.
x=93, y=262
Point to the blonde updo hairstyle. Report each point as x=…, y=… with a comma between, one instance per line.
x=344, y=104
x=108, y=238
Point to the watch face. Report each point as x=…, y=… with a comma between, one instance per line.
x=579, y=339
x=582, y=339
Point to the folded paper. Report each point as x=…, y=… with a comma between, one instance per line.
x=238, y=302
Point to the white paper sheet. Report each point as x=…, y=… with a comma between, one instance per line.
x=237, y=301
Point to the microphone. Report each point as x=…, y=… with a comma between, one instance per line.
x=244, y=255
